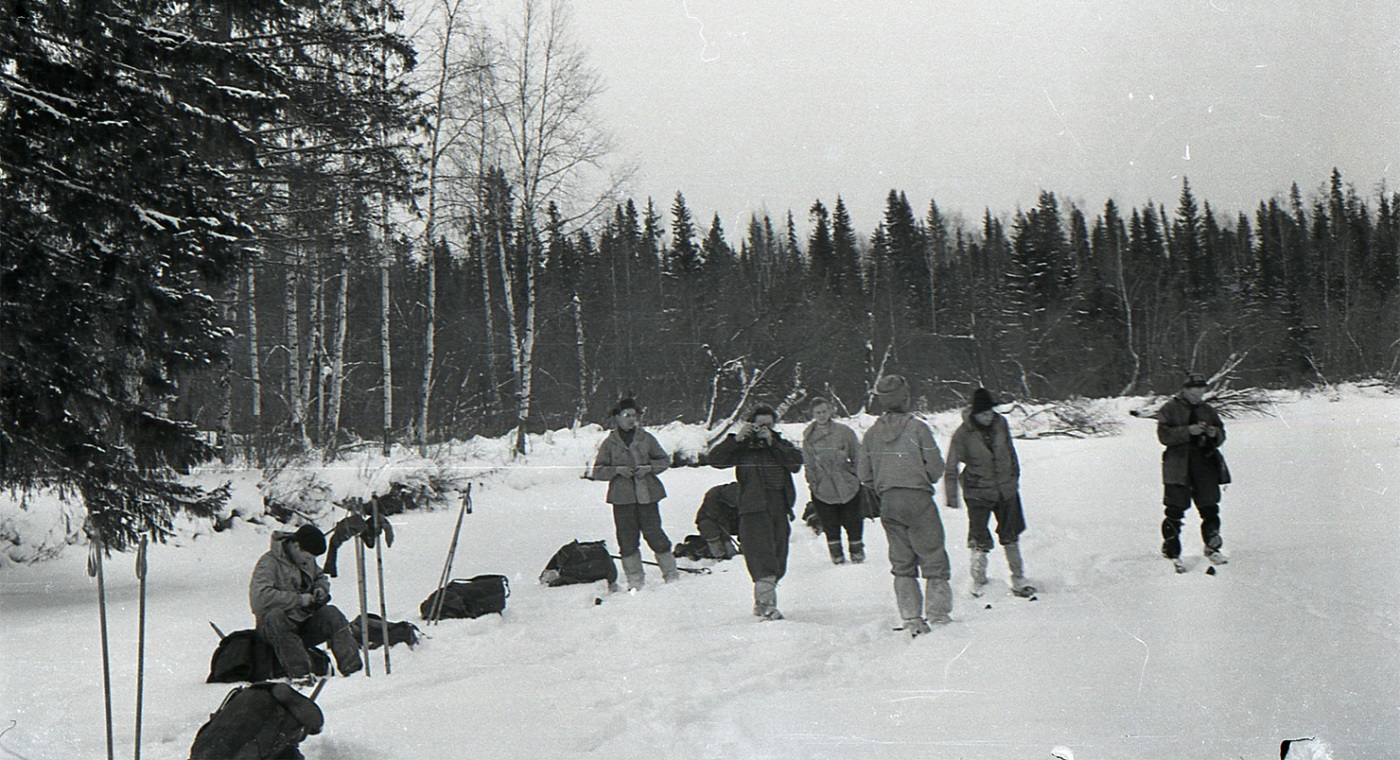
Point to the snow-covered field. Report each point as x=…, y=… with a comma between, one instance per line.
x=1119, y=658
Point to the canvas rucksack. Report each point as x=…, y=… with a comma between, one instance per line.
x=469, y=598
x=244, y=656
x=263, y=720
x=580, y=562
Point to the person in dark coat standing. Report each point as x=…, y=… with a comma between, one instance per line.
x=982, y=460
x=901, y=461
x=763, y=464
x=830, y=451
x=1193, y=469
x=628, y=461
x=290, y=598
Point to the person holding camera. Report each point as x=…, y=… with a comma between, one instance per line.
x=290, y=598
x=1193, y=468
x=764, y=463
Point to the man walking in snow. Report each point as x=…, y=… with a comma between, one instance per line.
x=990, y=478
x=763, y=465
x=290, y=599
x=1193, y=468
x=901, y=461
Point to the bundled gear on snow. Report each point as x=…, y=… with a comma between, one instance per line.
x=349, y=528
x=400, y=632
x=580, y=562
x=263, y=720
x=245, y=656
x=469, y=598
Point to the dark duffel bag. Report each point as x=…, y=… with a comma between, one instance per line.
x=580, y=562
x=400, y=632
x=468, y=598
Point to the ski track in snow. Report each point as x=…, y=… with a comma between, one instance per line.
x=1118, y=658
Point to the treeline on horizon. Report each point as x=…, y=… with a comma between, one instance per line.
x=696, y=321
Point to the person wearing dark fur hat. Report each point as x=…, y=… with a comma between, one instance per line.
x=763, y=464
x=628, y=461
x=290, y=598
x=901, y=461
x=1193, y=469
x=982, y=460
x=830, y=451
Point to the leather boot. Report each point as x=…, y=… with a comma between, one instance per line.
x=636, y=574
x=838, y=557
x=667, y=562
x=857, y=552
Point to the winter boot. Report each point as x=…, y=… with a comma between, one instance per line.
x=1019, y=585
x=667, y=562
x=636, y=574
x=979, y=570
x=1171, y=538
x=915, y=627
x=765, y=599
x=938, y=600
x=908, y=598
x=838, y=557
x=857, y=552
x=1213, y=543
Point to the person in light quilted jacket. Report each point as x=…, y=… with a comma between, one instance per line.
x=830, y=451
x=290, y=598
x=628, y=461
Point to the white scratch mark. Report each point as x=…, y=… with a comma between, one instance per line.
x=704, y=43
x=1147, y=651
x=1061, y=117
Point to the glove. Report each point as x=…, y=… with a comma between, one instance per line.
x=320, y=596
x=625, y=471
x=1195, y=428
x=305, y=600
x=640, y=470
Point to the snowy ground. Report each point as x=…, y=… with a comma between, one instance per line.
x=1119, y=658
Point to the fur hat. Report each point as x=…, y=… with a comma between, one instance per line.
x=1195, y=380
x=891, y=386
x=310, y=540
x=982, y=401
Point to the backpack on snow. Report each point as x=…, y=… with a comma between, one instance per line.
x=580, y=562
x=263, y=720
x=244, y=656
x=469, y=598
x=401, y=632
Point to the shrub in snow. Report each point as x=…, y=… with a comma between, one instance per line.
x=36, y=526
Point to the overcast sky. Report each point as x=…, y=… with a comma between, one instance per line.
x=747, y=105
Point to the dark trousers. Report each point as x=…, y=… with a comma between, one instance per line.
x=289, y=639
x=835, y=517
x=1204, y=491
x=764, y=536
x=1011, y=522
x=635, y=521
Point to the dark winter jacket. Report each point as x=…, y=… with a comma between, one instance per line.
x=719, y=512
x=899, y=452
x=643, y=451
x=990, y=469
x=1173, y=419
x=279, y=581
x=764, y=471
x=830, y=453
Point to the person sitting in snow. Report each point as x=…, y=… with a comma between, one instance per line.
x=1192, y=468
x=628, y=461
x=718, y=520
x=290, y=598
x=763, y=465
x=981, y=449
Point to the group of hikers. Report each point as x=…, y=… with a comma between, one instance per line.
x=892, y=471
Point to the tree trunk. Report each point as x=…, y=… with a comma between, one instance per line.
x=516, y=358
x=425, y=392
x=385, y=358
x=225, y=421
x=581, y=413
x=331, y=434
x=292, y=343
x=254, y=368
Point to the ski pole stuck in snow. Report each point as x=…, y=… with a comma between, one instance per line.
x=436, y=611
